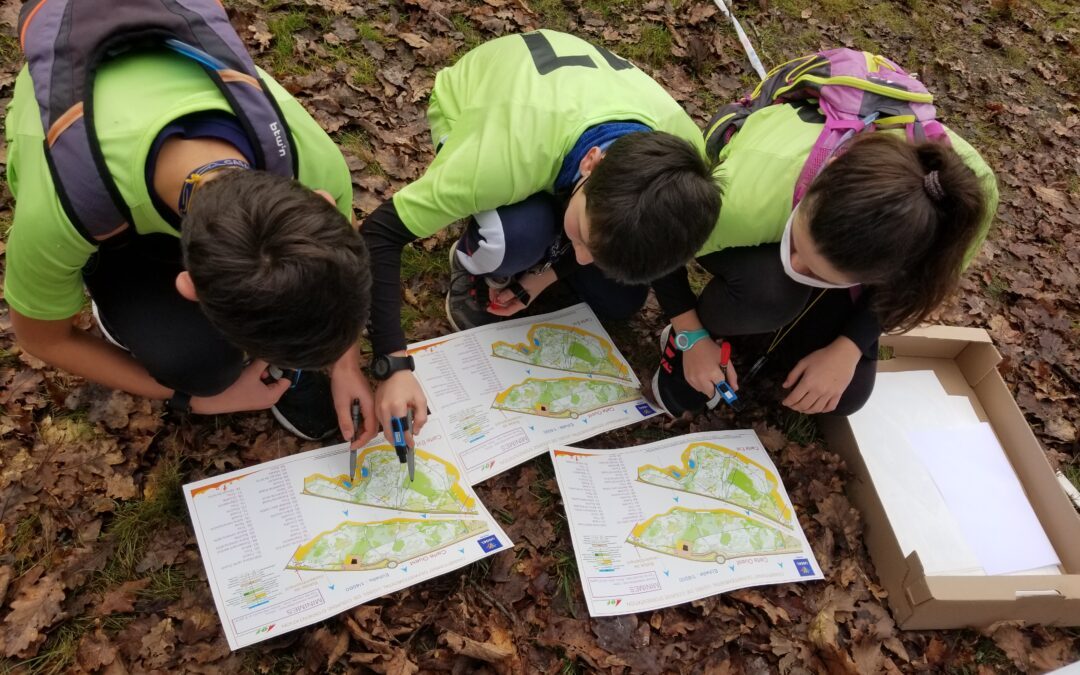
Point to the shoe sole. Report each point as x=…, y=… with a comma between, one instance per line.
x=654, y=386
x=446, y=302
x=709, y=405
x=449, y=316
x=287, y=425
x=101, y=326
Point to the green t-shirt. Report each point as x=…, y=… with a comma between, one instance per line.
x=135, y=97
x=758, y=170
x=507, y=114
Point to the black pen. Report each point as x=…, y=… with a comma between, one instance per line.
x=355, y=409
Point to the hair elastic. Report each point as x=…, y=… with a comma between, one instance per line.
x=196, y=177
x=932, y=184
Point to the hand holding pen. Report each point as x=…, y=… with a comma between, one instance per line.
x=406, y=451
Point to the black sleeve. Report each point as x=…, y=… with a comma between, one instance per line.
x=385, y=235
x=863, y=327
x=566, y=265
x=674, y=294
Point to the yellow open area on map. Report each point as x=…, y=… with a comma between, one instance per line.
x=563, y=396
x=361, y=546
x=710, y=535
x=553, y=345
x=383, y=482
x=721, y=473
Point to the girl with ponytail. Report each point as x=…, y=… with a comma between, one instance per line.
x=876, y=244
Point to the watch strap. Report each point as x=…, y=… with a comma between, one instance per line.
x=179, y=403
x=393, y=364
x=686, y=339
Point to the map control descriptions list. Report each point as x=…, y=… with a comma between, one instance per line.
x=510, y=391
x=679, y=520
x=296, y=540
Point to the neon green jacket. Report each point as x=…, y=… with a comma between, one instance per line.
x=135, y=97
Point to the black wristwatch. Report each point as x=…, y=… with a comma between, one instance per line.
x=179, y=403
x=383, y=366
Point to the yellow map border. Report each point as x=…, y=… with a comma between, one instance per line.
x=786, y=513
x=501, y=396
x=642, y=526
x=609, y=349
x=458, y=492
x=306, y=548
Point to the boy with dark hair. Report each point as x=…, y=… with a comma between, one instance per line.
x=548, y=145
x=212, y=261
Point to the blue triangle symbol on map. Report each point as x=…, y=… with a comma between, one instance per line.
x=667, y=573
x=676, y=499
x=346, y=512
x=532, y=428
x=780, y=564
x=731, y=567
x=423, y=515
x=528, y=371
x=330, y=586
x=461, y=550
x=404, y=569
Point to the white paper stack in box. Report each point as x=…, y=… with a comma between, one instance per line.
x=921, y=523
x=898, y=432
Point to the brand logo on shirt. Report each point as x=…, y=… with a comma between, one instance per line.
x=279, y=139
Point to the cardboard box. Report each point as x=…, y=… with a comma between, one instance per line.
x=965, y=362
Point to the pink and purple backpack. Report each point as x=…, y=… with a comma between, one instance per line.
x=854, y=90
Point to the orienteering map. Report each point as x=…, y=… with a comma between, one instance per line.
x=679, y=520
x=291, y=542
x=509, y=391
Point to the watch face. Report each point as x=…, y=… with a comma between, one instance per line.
x=380, y=368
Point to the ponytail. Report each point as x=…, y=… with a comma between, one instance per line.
x=898, y=217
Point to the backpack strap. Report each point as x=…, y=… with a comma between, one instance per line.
x=781, y=85
x=66, y=40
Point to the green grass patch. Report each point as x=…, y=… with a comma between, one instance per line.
x=9, y=48
x=618, y=9
x=27, y=545
x=570, y=667
x=798, y=427
x=652, y=48
x=367, y=31
x=5, y=224
x=56, y=656
x=1072, y=472
x=553, y=14
x=285, y=662
x=997, y=288
x=362, y=66
x=167, y=583
x=357, y=143
x=135, y=522
x=417, y=263
x=566, y=577
x=281, y=57
x=470, y=34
